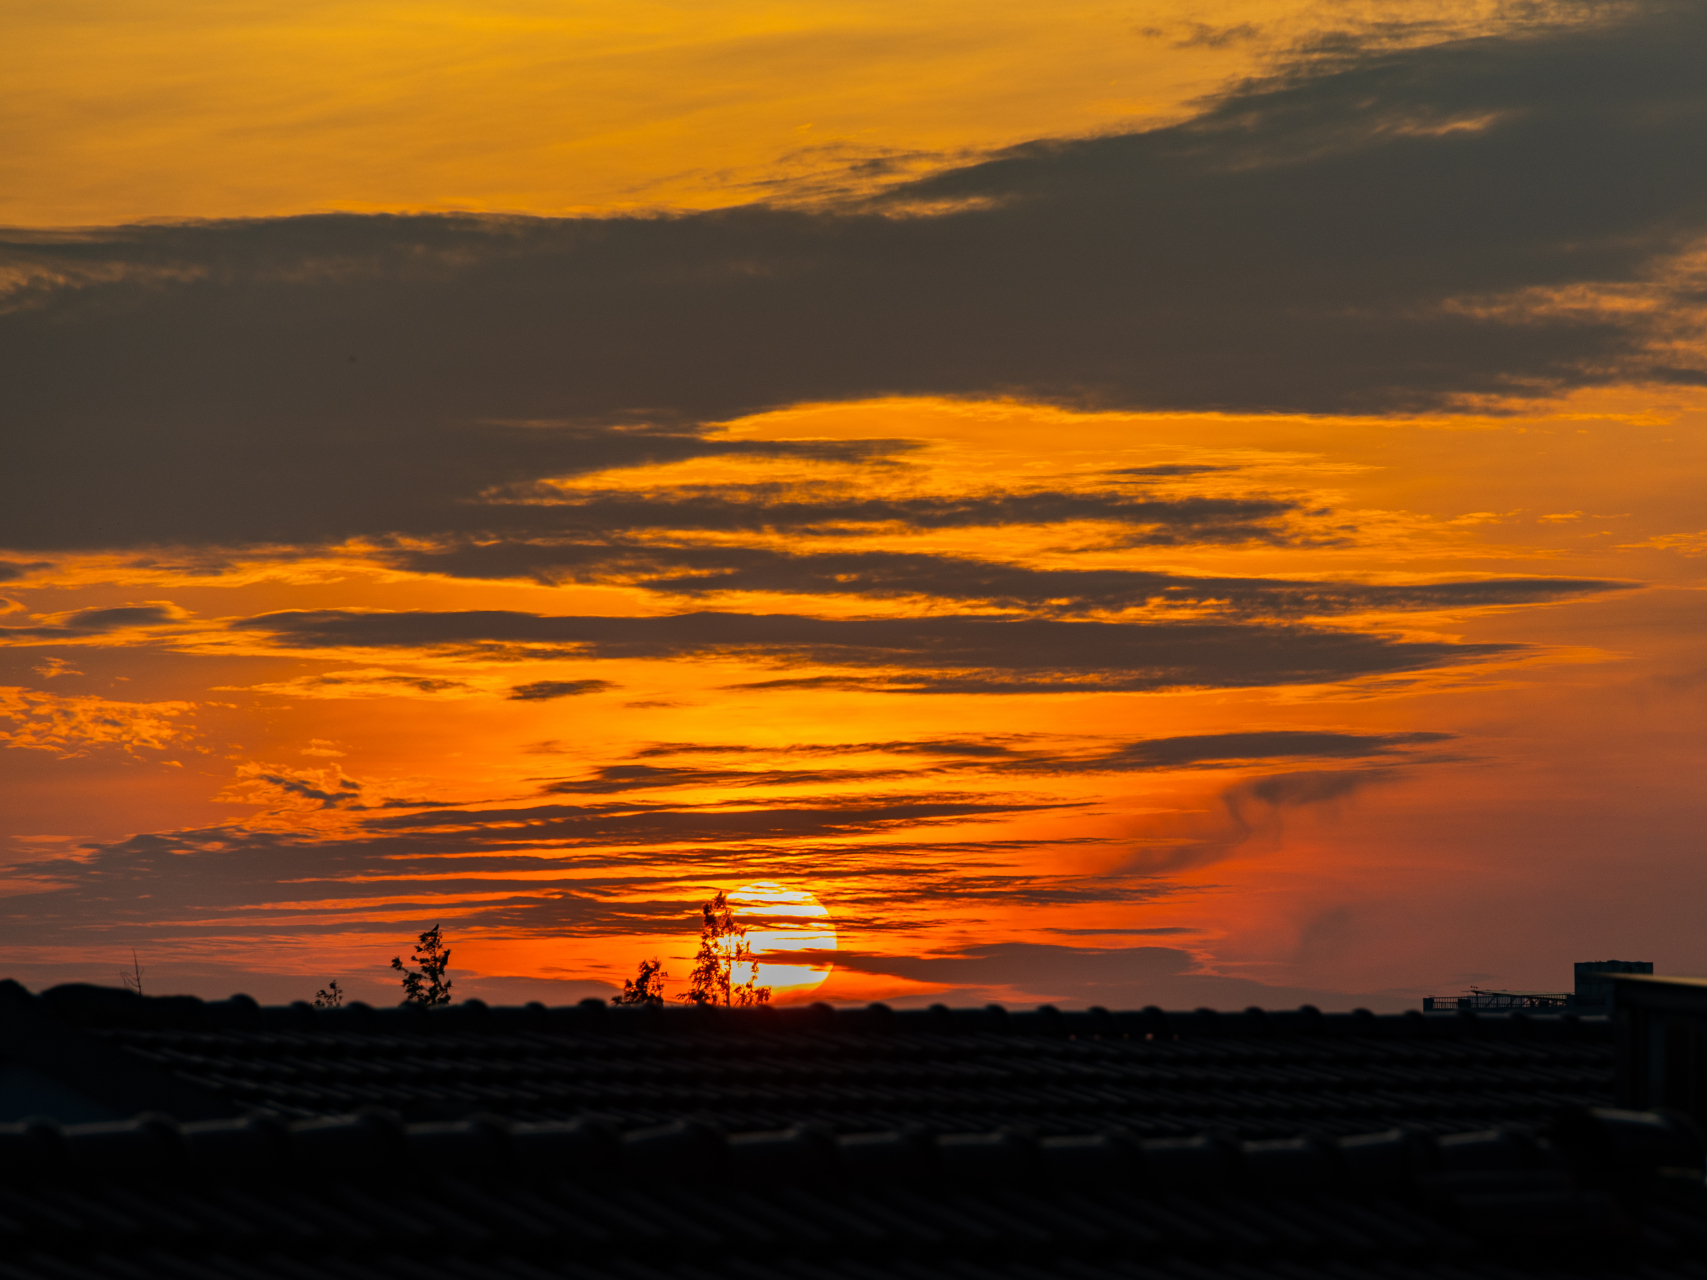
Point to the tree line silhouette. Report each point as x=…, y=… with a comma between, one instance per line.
x=724, y=953
x=723, y=948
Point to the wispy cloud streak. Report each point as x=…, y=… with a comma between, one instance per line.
x=923, y=655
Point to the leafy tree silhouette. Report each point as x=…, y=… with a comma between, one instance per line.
x=723, y=946
x=429, y=986
x=331, y=996
x=645, y=987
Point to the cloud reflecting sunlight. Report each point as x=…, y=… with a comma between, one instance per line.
x=1023, y=535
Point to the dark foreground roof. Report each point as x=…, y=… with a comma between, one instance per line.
x=1600, y=1194
x=848, y=1070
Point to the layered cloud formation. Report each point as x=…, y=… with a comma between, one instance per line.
x=1005, y=552
x=1399, y=230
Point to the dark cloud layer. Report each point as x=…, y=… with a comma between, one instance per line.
x=923, y=655
x=482, y=866
x=651, y=825
x=1200, y=749
x=1185, y=751
x=421, y=684
x=619, y=779
x=883, y=848
x=90, y=622
x=545, y=690
x=628, y=866
x=1148, y=518
x=1250, y=813
x=700, y=571
x=1375, y=232
x=995, y=746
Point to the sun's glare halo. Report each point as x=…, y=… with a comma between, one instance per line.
x=785, y=921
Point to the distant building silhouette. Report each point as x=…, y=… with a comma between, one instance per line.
x=1662, y=1042
x=1482, y=999
x=1592, y=997
x=1594, y=982
x=649, y=1142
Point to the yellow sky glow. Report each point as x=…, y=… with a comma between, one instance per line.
x=112, y=112
x=546, y=578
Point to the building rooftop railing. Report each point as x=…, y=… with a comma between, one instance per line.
x=1476, y=998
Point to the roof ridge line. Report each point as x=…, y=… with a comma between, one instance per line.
x=374, y=1143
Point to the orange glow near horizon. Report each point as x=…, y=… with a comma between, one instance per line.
x=1232, y=536
x=1012, y=794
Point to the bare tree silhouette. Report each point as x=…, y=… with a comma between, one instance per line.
x=132, y=978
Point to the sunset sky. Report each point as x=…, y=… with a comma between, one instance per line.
x=1124, y=504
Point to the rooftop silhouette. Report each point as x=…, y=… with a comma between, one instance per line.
x=1157, y=1074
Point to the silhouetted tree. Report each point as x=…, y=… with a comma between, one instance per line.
x=645, y=987
x=132, y=978
x=722, y=947
x=330, y=996
x=429, y=986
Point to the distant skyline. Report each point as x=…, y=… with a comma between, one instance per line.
x=1191, y=506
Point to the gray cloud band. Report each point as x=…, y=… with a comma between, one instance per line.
x=700, y=571
x=930, y=654
x=1213, y=750
x=1378, y=232
x=439, y=856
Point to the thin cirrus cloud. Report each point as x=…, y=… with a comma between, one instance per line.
x=888, y=854
x=462, y=861
x=1215, y=750
x=364, y=885
x=96, y=622
x=548, y=690
x=640, y=824
x=966, y=654
x=1377, y=231
x=1146, y=517
x=367, y=683
x=626, y=539
x=1370, y=229
x=1252, y=810
x=702, y=571
x=479, y=867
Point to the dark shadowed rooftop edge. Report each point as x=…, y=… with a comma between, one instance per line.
x=852, y=1069
x=1598, y=1192
x=822, y=1143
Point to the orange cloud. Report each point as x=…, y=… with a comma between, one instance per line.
x=73, y=726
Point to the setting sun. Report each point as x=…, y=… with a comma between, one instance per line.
x=1127, y=505
x=792, y=925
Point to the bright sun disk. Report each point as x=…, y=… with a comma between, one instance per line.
x=784, y=921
